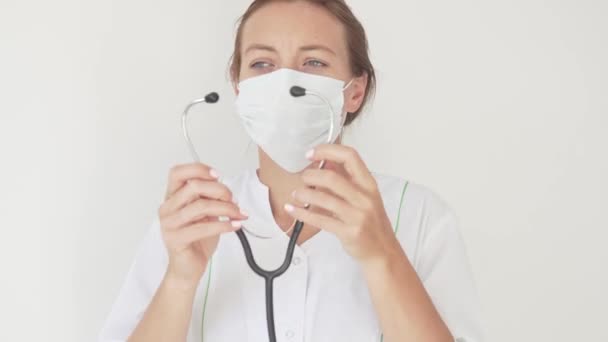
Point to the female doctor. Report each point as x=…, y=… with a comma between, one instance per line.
x=378, y=259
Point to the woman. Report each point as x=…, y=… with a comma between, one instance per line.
x=378, y=259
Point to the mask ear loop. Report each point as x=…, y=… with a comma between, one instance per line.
x=345, y=115
x=348, y=84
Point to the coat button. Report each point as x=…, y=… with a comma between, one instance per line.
x=289, y=334
x=296, y=261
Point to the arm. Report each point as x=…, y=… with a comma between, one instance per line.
x=434, y=301
x=405, y=310
x=442, y=275
x=156, y=300
x=168, y=315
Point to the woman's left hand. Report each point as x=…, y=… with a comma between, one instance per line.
x=352, y=205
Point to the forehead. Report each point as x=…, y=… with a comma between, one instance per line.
x=294, y=23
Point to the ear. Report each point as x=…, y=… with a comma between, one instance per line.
x=353, y=97
x=234, y=79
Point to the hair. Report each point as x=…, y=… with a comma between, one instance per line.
x=356, y=40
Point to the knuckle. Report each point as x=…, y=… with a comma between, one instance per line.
x=326, y=198
x=359, y=216
x=213, y=189
x=197, y=227
x=351, y=152
x=164, y=226
x=224, y=191
x=201, y=169
x=214, y=228
x=330, y=177
x=374, y=185
x=306, y=194
x=367, y=204
x=196, y=186
x=335, y=205
x=309, y=174
x=350, y=234
x=235, y=210
x=357, y=232
x=161, y=211
x=226, y=227
x=174, y=170
x=169, y=239
x=182, y=214
x=200, y=206
x=221, y=208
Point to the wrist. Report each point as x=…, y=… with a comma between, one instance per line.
x=178, y=283
x=385, y=263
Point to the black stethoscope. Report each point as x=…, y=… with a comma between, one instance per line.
x=269, y=276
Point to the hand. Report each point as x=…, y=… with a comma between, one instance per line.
x=189, y=219
x=351, y=204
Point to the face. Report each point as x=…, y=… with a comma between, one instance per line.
x=300, y=36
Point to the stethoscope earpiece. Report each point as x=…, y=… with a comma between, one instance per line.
x=296, y=91
x=212, y=97
x=209, y=98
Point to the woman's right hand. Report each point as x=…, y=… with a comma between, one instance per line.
x=189, y=219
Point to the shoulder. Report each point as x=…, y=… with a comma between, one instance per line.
x=417, y=212
x=428, y=230
x=411, y=196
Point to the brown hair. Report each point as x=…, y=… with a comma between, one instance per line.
x=356, y=42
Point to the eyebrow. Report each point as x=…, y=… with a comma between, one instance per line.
x=269, y=48
x=317, y=47
x=260, y=47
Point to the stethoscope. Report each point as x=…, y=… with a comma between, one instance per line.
x=268, y=275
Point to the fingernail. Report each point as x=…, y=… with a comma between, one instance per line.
x=310, y=153
x=244, y=213
x=214, y=173
x=289, y=208
x=234, y=200
x=236, y=224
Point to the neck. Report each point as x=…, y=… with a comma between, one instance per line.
x=280, y=184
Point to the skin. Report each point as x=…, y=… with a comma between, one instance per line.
x=344, y=197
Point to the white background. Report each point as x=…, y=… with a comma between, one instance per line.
x=499, y=106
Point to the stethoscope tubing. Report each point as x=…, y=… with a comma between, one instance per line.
x=269, y=276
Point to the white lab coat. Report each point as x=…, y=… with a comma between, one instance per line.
x=323, y=296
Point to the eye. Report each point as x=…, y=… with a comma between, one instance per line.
x=315, y=63
x=260, y=65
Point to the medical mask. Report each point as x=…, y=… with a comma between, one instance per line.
x=286, y=127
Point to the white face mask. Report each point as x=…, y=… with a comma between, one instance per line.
x=286, y=127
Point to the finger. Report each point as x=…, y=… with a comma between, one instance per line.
x=200, y=231
x=324, y=200
x=334, y=182
x=201, y=209
x=320, y=221
x=347, y=156
x=180, y=174
x=193, y=190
